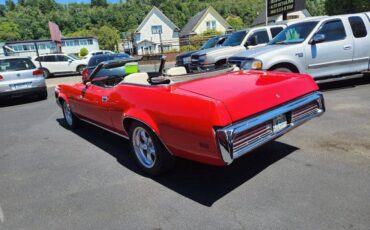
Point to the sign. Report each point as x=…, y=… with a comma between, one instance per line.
x=275, y=7
x=55, y=34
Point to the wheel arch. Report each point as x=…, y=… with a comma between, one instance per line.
x=145, y=120
x=62, y=97
x=221, y=61
x=80, y=65
x=288, y=65
x=141, y=117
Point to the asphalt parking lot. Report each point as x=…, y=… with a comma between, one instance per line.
x=315, y=177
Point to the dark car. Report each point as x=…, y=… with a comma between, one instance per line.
x=184, y=58
x=95, y=60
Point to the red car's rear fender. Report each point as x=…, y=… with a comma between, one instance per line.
x=141, y=116
x=62, y=96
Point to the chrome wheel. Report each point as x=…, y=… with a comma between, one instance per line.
x=144, y=147
x=67, y=114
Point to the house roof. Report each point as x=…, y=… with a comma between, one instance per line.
x=197, y=19
x=261, y=18
x=146, y=41
x=152, y=11
x=48, y=40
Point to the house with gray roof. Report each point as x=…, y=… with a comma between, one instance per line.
x=156, y=33
x=207, y=19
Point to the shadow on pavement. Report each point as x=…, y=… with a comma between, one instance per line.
x=202, y=183
x=7, y=102
x=345, y=84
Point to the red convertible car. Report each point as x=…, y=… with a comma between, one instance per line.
x=213, y=117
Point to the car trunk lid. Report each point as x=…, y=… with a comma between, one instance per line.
x=246, y=93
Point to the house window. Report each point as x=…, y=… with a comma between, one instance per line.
x=211, y=25
x=83, y=42
x=90, y=41
x=156, y=29
x=76, y=42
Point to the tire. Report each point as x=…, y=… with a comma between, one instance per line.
x=150, y=154
x=282, y=69
x=43, y=95
x=70, y=119
x=80, y=68
x=46, y=73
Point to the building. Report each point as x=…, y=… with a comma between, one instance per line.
x=207, y=19
x=69, y=45
x=292, y=16
x=156, y=33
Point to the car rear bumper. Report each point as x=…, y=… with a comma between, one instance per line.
x=22, y=92
x=35, y=85
x=240, y=138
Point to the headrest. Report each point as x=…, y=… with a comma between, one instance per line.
x=176, y=71
x=137, y=78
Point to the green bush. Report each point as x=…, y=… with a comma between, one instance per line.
x=84, y=52
x=187, y=48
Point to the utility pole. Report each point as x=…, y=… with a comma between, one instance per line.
x=160, y=40
x=267, y=17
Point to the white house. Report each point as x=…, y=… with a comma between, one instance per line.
x=207, y=19
x=46, y=46
x=156, y=33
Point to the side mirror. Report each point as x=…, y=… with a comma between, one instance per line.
x=70, y=60
x=317, y=38
x=252, y=41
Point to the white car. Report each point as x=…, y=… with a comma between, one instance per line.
x=19, y=77
x=60, y=63
x=96, y=52
x=328, y=48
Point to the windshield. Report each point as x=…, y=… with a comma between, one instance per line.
x=235, y=39
x=210, y=43
x=16, y=64
x=296, y=33
x=73, y=57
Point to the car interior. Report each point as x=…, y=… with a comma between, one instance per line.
x=108, y=77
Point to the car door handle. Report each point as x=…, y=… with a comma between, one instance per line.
x=104, y=98
x=347, y=47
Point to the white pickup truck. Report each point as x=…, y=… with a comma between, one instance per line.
x=328, y=48
x=213, y=58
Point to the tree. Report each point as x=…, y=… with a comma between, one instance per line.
x=10, y=5
x=103, y=3
x=316, y=7
x=9, y=31
x=346, y=6
x=235, y=22
x=108, y=37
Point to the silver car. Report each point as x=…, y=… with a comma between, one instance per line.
x=20, y=76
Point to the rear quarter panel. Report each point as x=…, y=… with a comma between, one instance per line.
x=182, y=120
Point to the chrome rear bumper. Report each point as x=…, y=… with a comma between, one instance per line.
x=242, y=137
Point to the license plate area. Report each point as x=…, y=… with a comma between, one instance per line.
x=21, y=85
x=279, y=123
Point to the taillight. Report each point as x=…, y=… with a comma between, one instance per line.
x=85, y=73
x=37, y=72
x=1, y=77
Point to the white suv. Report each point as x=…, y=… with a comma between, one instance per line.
x=60, y=63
